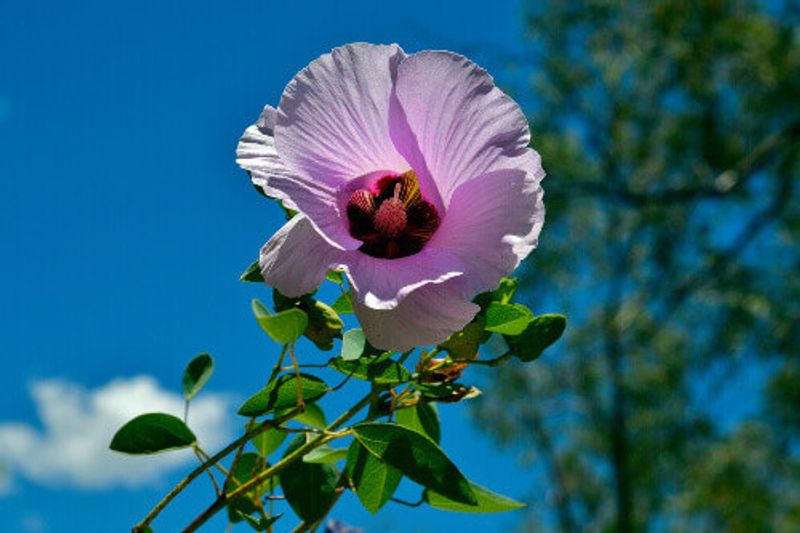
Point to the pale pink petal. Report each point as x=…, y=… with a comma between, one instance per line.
x=463, y=126
x=426, y=317
x=296, y=258
x=384, y=283
x=256, y=154
x=333, y=117
x=493, y=222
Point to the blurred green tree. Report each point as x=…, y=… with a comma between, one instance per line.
x=670, y=131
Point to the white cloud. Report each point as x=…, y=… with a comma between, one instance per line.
x=71, y=449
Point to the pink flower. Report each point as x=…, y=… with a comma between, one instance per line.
x=412, y=173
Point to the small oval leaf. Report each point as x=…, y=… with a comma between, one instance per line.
x=325, y=454
x=196, y=374
x=503, y=293
x=353, y=344
x=310, y=488
x=374, y=480
x=417, y=457
x=248, y=466
x=267, y=441
x=422, y=418
x=488, y=502
x=508, y=319
x=464, y=344
x=324, y=324
x=377, y=370
x=284, y=327
x=312, y=416
x=543, y=331
x=152, y=433
x=283, y=393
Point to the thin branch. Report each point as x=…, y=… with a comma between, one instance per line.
x=277, y=368
x=725, y=183
x=300, y=404
x=342, y=384
x=268, y=424
x=293, y=457
x=738, y=244
x=231, y=472
x=210, y=473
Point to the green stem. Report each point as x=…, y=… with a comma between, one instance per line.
x=293, y=457
x=277, y=368
x=268, y=424
x=232, y=470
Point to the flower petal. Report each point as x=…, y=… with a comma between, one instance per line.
x=463, y=125
x=426, y=317
x=333, y=117
x=493, y=222
x=256, y=154
x=296, y=258
x=384, y=283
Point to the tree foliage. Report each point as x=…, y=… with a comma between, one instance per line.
x=670, y=132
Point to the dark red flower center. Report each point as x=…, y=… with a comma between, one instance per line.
x=392, y=219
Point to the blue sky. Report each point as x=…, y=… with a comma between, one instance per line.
x=124, y=224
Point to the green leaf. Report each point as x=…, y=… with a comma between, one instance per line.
x=335, y=276
x=325, y=454
x=284, y=327
x=196, y=375
x=464, y=344
x=248, y=466
x=508, y=319
x=283, y=393
x=313, y=416
x=258, y=524
x=353, y=344
x=324, y=324
x=503, y=294
x=543, y=331
x=268, y=440
x=374, y=369
x=488, y=502
x=422, y=418
x=152, y=433
x=374, y=480
x=342, y=304
x=417, y=457
x=252, y=273
x=309, y=488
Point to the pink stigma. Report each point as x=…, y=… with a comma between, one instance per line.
x=390, y=219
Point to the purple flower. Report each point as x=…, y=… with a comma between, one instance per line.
x=412, y=173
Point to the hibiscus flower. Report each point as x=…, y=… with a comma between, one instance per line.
x=411, y=173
